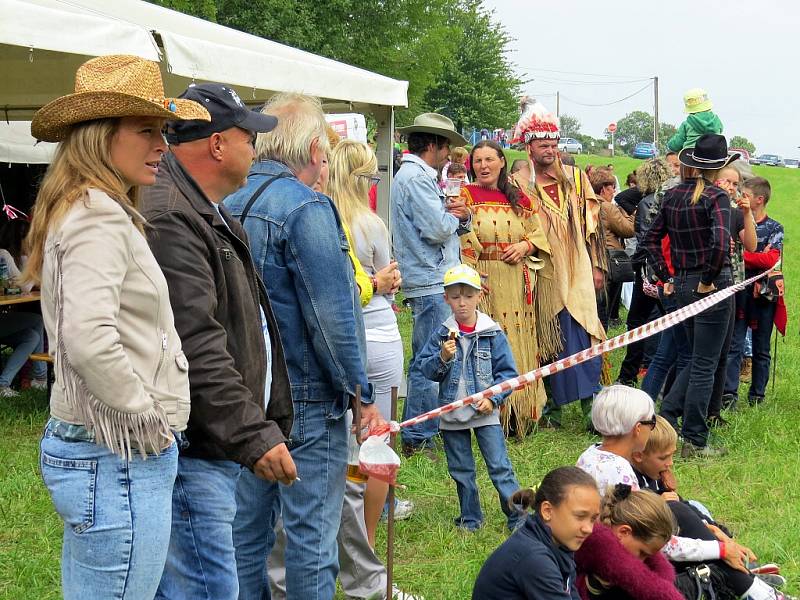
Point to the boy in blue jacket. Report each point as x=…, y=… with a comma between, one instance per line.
x=466, y=354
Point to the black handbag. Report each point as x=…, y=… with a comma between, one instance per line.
x=620, y=268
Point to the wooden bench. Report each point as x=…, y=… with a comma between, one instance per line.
x=45, y=357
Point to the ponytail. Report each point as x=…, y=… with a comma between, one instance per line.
x=553, y=488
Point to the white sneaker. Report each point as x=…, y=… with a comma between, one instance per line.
x=39, y=384
x=403, y=509
x=398, y=594
x=7, y=392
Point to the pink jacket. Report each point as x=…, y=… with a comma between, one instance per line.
x=603, y=556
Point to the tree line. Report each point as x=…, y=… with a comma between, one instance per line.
x=453, y=53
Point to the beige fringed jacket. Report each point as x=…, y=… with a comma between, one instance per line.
x=120, y=370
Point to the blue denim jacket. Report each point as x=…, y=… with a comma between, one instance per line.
x=424, y=234
x=299, y=246
x=488, y=361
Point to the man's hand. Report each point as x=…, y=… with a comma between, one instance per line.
x=458, y=208
x=599, y=278
x=448, y=350
x=484, y=406
x=669, y=289
x=371, y=417
x=388, y=279
x=276, y=465
x=515, y=253
x=702, y=288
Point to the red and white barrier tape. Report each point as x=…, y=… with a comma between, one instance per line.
x=629, y=337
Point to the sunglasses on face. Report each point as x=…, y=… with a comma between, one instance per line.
x=651, y=422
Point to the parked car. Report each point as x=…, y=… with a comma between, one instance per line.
x=645, y=150
x=791, y=163
x=745, y=155
x=570, y=145
x=772, y=160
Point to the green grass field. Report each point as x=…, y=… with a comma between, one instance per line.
x=755, y=489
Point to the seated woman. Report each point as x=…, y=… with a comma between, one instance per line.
x=622, y=558
x=536, y=561
x=618, y=413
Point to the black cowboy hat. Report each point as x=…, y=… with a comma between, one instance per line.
x=710, y=152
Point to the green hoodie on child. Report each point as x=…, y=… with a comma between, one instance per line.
x=693, y=127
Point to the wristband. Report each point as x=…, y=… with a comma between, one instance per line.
x=374, y=284
x=530, y=247
x=722, y=550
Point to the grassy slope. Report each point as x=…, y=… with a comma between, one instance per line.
x=756, y=489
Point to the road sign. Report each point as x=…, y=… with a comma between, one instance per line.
x=612, y=127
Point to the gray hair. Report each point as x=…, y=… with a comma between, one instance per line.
x=300, y=122
x=618, y=408
x=743, y=168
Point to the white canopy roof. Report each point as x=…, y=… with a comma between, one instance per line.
x=18, y=146
x=42, y=42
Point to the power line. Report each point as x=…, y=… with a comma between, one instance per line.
x=639, y=91
x=577, y=82
x=587, y=74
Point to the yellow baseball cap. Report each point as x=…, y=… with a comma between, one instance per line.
x=696, y=100
x=462, y=274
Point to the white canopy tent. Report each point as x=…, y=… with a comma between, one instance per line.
x=17, y=145
x=42, y=42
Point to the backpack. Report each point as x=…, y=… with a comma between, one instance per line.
x=703, y=582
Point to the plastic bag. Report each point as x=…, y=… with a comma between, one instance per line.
x=376, y=459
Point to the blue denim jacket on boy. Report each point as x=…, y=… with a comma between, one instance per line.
x=488, y=360
x=300, y=249
x=424, y=234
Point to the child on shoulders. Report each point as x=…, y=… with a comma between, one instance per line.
x=468, y=353
x=701, y=120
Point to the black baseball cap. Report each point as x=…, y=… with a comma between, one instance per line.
x=226, y=109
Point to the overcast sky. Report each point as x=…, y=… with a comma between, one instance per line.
x=745, y=54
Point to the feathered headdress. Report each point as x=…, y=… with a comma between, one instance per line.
x=535, y=123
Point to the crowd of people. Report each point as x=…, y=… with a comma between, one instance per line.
x=242, y=303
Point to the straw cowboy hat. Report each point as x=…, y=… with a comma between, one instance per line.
x=112, y=86
x=437, y=125
x=710, y=152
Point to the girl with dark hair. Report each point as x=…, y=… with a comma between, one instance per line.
x=536, y=562
x=622, y=558
x=505, y=240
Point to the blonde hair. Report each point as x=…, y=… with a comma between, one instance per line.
x=704, y=177
x=662, y=438
x=300, y=122
x=651, y=175
x=645, y=512
x=351, y=164
x=459, y=154
x=82, y=161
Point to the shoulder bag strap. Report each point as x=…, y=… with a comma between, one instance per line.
x=258, y=193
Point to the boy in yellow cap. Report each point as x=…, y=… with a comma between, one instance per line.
x=467, y=354
x=701, y=120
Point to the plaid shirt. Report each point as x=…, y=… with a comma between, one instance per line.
x=699, y=234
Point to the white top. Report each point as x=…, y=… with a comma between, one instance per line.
x=607, y=469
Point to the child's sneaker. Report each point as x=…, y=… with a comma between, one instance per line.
x=39, y=384
x=772, y=580
x=7, y=392
x=768, y=568
x=403, y=509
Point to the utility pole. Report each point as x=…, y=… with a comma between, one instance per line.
x=655, y=104
x=558, y=105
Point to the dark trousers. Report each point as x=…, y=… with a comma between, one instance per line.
x=608, y=303
x=715, y=404
x=642, y=307
x=691, y=393
x=759, y=314
x=690, y=525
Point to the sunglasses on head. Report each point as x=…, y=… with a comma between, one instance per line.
x=651, y=422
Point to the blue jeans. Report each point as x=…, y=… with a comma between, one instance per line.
x=673, y=350
x=24, y=332
x=423, y=394
x=758, y=314
x=201, y=564
x=691, y=393
x=311, y=510
x=461, y=465
x=116, y=514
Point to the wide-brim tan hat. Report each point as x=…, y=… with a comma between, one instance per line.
x=437, y=125
x=112, y=86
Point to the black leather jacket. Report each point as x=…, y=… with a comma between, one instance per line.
x=215, y=294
